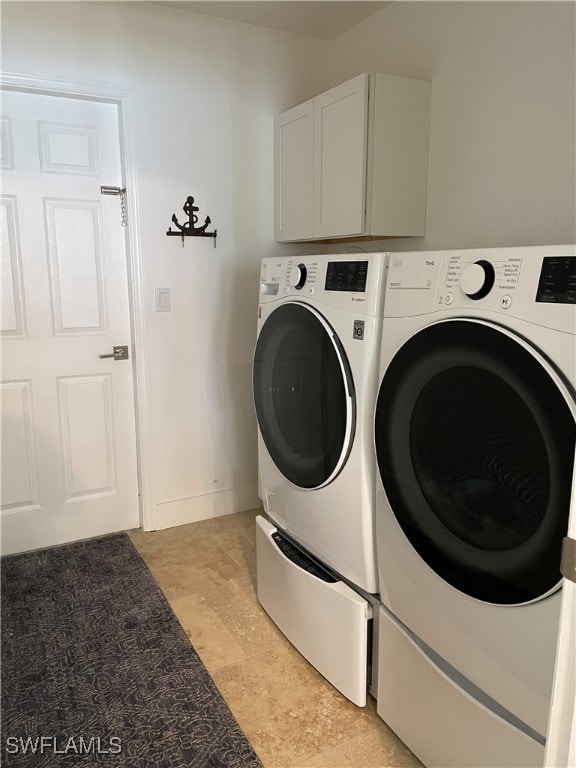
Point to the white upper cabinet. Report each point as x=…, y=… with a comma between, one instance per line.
x=353, y=162
x=340, y=148
x=294, y=168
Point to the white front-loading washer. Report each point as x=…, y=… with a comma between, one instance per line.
x=474, y=435
x=315, y=376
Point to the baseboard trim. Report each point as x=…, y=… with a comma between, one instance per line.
x=206, y=506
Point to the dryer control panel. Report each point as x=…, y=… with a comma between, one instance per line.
x=477, y=276
x=557, y=284
x=532, y=282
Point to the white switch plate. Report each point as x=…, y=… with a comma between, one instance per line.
x=162, y=299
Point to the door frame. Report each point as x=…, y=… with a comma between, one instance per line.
x=122, y=98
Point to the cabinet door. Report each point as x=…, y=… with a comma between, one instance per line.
x=340, y=146
x=294, y=166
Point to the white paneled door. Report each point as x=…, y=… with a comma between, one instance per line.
x=68, y=419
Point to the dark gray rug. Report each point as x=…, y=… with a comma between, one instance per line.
x=96, y=669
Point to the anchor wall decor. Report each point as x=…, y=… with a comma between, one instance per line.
x=189, y=228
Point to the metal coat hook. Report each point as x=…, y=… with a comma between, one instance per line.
x=189, y=228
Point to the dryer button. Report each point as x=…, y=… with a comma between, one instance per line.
x=506, y=301
x=477, y=279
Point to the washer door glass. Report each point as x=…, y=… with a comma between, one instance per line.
x=304, y=395
x=475, y=446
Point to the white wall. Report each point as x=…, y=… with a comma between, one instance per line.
x=204, y=94
x=502, y=165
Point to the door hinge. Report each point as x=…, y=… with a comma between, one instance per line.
x=568, y=560
x=121, y=192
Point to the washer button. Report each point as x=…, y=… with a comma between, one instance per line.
x=449, y=299
x=506, y=301
x=311, y=290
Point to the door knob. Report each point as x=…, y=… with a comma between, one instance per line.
x=119, y=353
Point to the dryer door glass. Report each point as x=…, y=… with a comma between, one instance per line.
x=304, y=395
x=475, y=446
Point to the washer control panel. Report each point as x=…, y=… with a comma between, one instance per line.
x=351, y=282
x=300, y=277
x=297, y=275
x=346, y=276
x=287, y=275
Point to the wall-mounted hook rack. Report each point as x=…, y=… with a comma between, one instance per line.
x=189, y=228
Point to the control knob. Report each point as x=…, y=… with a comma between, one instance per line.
x=477, y=279
x=297, y=276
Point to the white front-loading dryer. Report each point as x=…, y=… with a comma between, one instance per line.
x=315, y=376
x=474, y=434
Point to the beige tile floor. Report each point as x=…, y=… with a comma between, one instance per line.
x=291, y=715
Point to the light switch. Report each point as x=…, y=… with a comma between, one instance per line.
x=162, y=299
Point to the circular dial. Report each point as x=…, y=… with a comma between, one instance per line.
x=477, y=279
x=297, y=276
